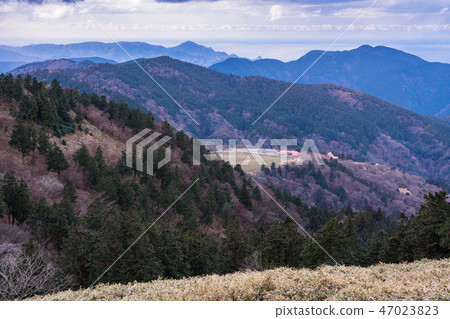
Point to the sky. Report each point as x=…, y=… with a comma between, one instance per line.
x=284, y=29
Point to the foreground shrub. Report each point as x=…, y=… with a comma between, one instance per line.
x=24, y=273
x=420, y=280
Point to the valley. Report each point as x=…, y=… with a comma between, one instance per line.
x=338, y=119
x=67, y=196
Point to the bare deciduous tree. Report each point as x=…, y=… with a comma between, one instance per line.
x=24, y=273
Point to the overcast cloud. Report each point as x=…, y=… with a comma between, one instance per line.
x=280, y=29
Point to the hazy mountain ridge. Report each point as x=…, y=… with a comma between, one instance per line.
x=393, y=75
x=187, y=51
x=340, y=120
x=53, y=65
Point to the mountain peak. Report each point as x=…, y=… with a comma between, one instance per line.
x=365, y=47
x=188, y=51
x=399, y=77
x=190, y=45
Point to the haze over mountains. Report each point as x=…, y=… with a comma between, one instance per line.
x=66, y=182
x=393, y=75
x=11, y=57
x=338, y=119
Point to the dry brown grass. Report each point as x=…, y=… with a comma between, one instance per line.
x=420, y=280
x=112, y=148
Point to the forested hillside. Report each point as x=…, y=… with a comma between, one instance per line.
x=338, y=119
x=393, y=75
x=341, y=183
x=70, y=206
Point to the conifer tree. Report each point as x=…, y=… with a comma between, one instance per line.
x=257, y=193
x=79, y=252
x=444, y=233
x=49, y=114
x=222, y=201
x=17, y=92
x=167, y=129
x=100, y=159
x=43, y=142
x=125, y=195
x=35, y=86
x=38, y=217
x=190, y=216
x=235, y=246
x=57, y=226
x=82, y=156
x=282, y=245
x=376, y=247
x=92, y=171
x=201, y=253
x=144, y=204
x=244, y=196
x=23, y=138
x=425, y=232
x=56, y=161
x=208, y=208
x=58, y=220
x=16, y=196
x=169, y=250
x=256, y=240
x=331, y=239
x=28, y=108
x=351, y=242
x=140, y=263
x=2, y=205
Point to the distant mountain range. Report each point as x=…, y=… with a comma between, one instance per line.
x=393, y=75
x=340, y=120
x=11, y=57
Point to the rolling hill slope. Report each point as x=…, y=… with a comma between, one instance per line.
x=338, y=119
x=70, y=206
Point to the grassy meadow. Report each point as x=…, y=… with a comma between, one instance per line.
x=420, y=280
x=252, y=165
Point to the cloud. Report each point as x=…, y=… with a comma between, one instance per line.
x=7, y=7
x=52, y=11
x=183, y=1
x=284, y=1
x=43, y=2
x=224, y=21
x=276, y=11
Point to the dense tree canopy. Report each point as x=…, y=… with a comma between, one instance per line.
x=203, y=232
